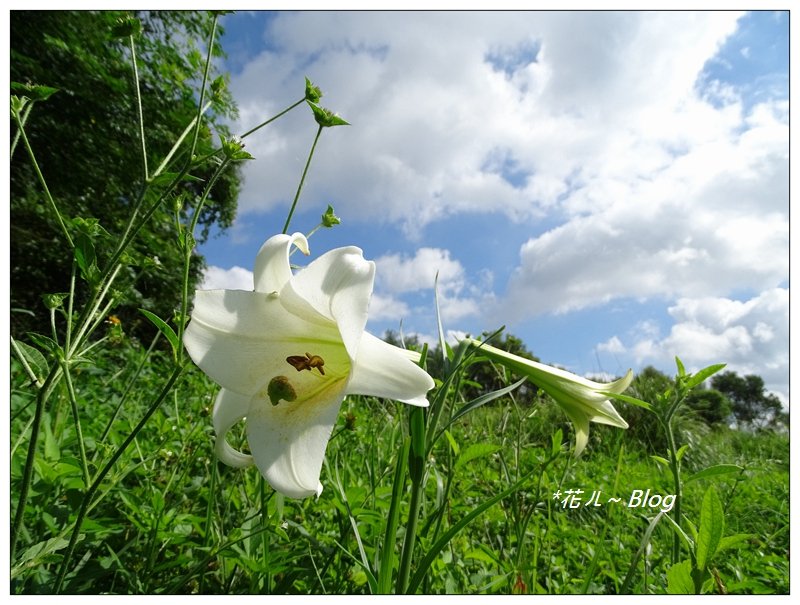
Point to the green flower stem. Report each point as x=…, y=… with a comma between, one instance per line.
x=73, y=401
x=90, y=493
x=165, y=162
x=275, y=117
x=40, y=176
x=207, y=68
x=302, y=180
x=41, y=399
x=142, y=140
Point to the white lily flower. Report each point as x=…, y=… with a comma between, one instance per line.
x=581, y=399
x=288, y=353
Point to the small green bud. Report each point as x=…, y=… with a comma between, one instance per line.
x=54, y=301
x=325, y=117
x=280, y=388
x=233, y=149
x=313, y=93
x=126, y=26
x=17, y=105
x=329, y=219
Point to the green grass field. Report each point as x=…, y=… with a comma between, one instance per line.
x=169, y=518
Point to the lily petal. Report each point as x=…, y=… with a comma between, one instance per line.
x=241, y=338
x=272, y=270
x=229, y=408
x=337, y=286
x=288, y=443
x=384, y=370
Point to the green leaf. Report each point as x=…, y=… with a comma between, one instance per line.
x=35, y=92
x=681, y=369
x=475, y=451
x=679, y=578
x=660, y=460
x=556, y=442
x=628, y=399
x=701, y=376
x=714, y=471
x=164, y=328
x=33, y=356
x=733, y=541
x=39, y=553
x=483, y=399
x=85, y=256
x=44, y=342
x=712, y=526
x=681, y=451
x=453, y=444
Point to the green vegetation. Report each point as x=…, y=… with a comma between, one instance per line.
x=170, y=519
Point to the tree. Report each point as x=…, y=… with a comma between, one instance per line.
x=86, y=143
x=710, y=405
x=750, y=404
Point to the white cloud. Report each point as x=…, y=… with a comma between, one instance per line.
x=401, y=273
x=382, y=307
x=714, y=220
x=235, y=278
x=612, y=345
x=751, y=337
x=606, y=92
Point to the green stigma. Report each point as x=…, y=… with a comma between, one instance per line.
x=280, y=388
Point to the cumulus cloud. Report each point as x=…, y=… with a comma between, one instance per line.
x=534, y=101
x=750, y=336
x=714, y=220
x=404, y=273
x=235, y=278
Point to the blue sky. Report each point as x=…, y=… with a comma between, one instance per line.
x=612, y=187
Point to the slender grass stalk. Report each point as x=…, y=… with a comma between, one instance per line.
x=302, y=180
